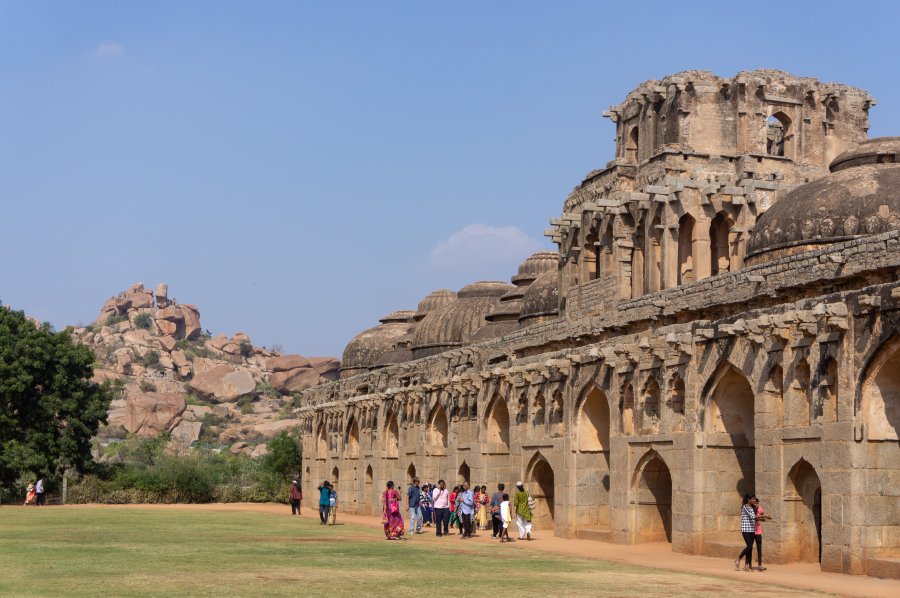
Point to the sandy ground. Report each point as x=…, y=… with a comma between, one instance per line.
x=796, y=575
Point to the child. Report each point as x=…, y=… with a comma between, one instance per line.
x=504, y=516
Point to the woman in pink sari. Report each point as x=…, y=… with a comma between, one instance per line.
x=393, y=522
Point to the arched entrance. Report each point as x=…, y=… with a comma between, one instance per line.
x=464, y=473
x=438, y=427
x=729, y=453
x=542, y=485
x=498, y=424
x=353, y=439
x=392, y=437
x=804, y=511
x=321, y=443
x=593, y=422
x=410, y=473
x=592, y=478
x=652, y=503
x=369, y=491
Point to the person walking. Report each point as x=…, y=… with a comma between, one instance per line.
x=455, y=501
x=760, y=517
x=467, y=510
x=414, y=501
x=296, y=496
x=332, y=504
x=483, y=516
x=427, y=511
x=748, y=531
x=39, y=492
x=440, y=497
x=324, y=501
x=522, y=504
x=496, y=519
x=392, y=521
x=504, y=518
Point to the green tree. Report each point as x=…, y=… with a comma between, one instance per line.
x=49, y=408
x=285, y=455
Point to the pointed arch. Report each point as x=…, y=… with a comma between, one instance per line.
x=335, y=475
x=803, y=529
x=730, y=406
x=539, y=409
x=652, y=499
x=321, y=442
x=542, y=485
x=411, y=472
x=779, y=135
x=879, y=395
x=686, y=241
x=650, y=407
x=438, y=430
x=464, y=472
x=593, y=421
x=720, y=243
x=352, y=439
x=498, y=423
x=391, y=435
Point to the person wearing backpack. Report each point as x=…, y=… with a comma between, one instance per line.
x=523, y=504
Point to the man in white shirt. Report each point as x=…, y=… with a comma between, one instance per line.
x=39, y=492
x=440, y=497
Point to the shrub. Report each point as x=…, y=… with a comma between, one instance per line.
x=143, y=320
x=147, y=386
x=151, y=358
x=284, y=457
x=245, y=404
x=114, y=319
x=246, y=350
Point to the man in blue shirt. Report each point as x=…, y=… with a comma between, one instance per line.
x=324, y=501
x=414, y=494
x=467, y=510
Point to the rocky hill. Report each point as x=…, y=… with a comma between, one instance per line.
x=173, y=377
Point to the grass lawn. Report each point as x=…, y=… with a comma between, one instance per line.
x=157, y=552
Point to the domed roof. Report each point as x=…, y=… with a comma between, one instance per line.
x=535, y=265
x=861, y=197
x=366, y=348
x=434, y=300
x=880, y=150
x=542, y=298
x=454, y=324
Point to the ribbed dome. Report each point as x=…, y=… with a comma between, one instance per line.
x=862, y=197
x=541, y=301
x=366, y=348
x=433, y=301
x=455, y=323
x=535, y=265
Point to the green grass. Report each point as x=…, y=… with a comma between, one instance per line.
x=172, y=552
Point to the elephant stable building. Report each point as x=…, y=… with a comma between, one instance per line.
x=722, y=317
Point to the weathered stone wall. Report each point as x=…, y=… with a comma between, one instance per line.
x=651, y=423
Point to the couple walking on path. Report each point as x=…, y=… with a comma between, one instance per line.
x=751, y=516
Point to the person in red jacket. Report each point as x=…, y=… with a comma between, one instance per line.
x=296, y=496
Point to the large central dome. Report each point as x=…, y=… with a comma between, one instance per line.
x=860, y=197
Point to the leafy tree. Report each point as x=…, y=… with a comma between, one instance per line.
x=285, y=455
x=49, y=408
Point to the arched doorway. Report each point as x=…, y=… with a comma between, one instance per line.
x=804, y=511
x=438, y=427
x=719, y=244
x=593, y=422
x=464, y=474
x=369, y=491
x=410, y=473
x=392, y=437
x=498, y=424
x=592, y=479
x=729, y=453
x=880, y=401
x=353, y=439
x=542, y=485
x=686, y=252
x=321, y=443
x=652, y=500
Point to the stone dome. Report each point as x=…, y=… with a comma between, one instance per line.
x=860, y=197
x=541, y=301
x=434, y=300
x=363, y=352
x=535, y=265
x=454, y=324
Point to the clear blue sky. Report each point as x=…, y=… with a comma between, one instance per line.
x=300, y=169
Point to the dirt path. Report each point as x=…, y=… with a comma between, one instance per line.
x=796, y=575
